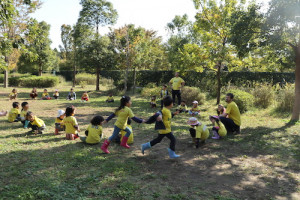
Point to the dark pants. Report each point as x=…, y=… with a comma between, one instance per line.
x=229, y=124
x=197, y=140
x=39, y=129
x=55, y=97
x=159, y=138
x=178, y=94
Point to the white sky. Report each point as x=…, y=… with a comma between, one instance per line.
x=150, y=14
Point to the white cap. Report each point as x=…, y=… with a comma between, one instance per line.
x=195, y=102
x=60, y=113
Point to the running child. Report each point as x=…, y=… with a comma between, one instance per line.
x=37, y=124
x=59, y=124
x=123, y=113
x=218, y=129
x=195, y=110
x=13, y=95
x=14, y=113
x=166, y=117
x=71, y=124
x=198, y=131
x=94, y=131
x=25, y=108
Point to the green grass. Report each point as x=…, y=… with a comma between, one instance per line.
x=261, y=163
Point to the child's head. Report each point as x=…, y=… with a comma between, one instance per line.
x=14, y=91
x=72, y=90
x=110, y=94
x=153, y=97
x=97, y=120
x=45, y=90
x=70, y=111
x=183, y=103
x=30, y=116
x=195, y=104
x=61, y=114
x=129, y=121
x=15, y=105
x=125, y=101
x=168, y=102
x=164, y=87
x=25, y=105
x=214, y=119
x=193, y=121
x=220, y=107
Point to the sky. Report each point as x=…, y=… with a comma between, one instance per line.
x=150, y=14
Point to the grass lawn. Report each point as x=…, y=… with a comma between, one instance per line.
x=260, y=163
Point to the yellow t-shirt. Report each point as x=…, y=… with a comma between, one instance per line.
x=176, y=83
x=195, y=109
x=23, y=115
x=13, y=114
x=38, y=122
x=123, y=115
x=110, y=98
x=85, y=96
x=234, y=113
x=45, y=94
x=56, y=94
x=59, y=120
x=180, y=107
x=70, y=122
x=94, y=135
x=130, y=139
x=13, y=94
x=202, y=132
x=222, y=130
x=166, y=118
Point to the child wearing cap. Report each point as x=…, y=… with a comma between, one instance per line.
x=94, y=131
x=198, y=131
x=182, y=107
x=59, y=125
x=218, y=129
x=195, y=110
x=37, y=124
x=56, y=94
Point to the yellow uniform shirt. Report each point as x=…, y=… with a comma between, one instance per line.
x=130, y=139
x=202, y=132
x=180, y=107
x=195, y=109
x=123, y=115
x=45, y=94
x=110, y=98
x=38, y=122
x=85, y=96
x=176, y=83
x=23, y=115
x=70, y=122
x=222, y=130
x=94, y=135
x=166, y=118
x=13, y=94
x=234, y=113
x=13, y=114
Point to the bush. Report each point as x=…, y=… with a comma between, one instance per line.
x=151, y=90
x=90, y=79
x=263, y=95
x=34, y=81
x=14, y=80
x=190, y=94
x=285, y=98
x=244, y=100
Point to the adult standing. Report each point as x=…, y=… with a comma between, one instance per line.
x=177, y=83
x=232, y=117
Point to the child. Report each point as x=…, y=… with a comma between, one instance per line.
x=182, y=107
x=59, y=125
x=71, y=95
x=85, y=97
x=13, y=95
x=45, y=95
x=123, y=113
x=71, y=124
x=94, y=131
x=123, y=133
x=221, y=110
x=33, y=94
x=110, y=99
x=153, y=102
x=3, y=113
x=219, y=129
x=163, y=93
x=167, y=132
x=199, y=132
x=25, y=108
x=14, y=113
x=36, y=123
x=195, y=110
x=56, y=94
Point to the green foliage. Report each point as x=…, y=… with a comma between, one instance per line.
x=263, y=95
x=190, y=94
x=90, y=79
x=285, y=98
x=151, y=90
x=34, y=81
x=244, y=100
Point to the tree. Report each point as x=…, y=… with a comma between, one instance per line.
x=96, y=13
x=282, y=32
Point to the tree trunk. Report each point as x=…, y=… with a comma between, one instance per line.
x=126, y=80
x=5, y=81
x=134, y=81
x=74, y=75
x=219, y=84
x=296, y=108
x=98, y=79
x=40, y=71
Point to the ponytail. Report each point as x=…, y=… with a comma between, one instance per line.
x=124, y=100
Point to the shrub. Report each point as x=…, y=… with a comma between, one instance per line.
x=39, y=81
x=263, y=95
x=190, y=94
x=285, y=98
x=83, y=84
x=151, y=91
x=90, y=79
x=14, y=80
x=244, y=100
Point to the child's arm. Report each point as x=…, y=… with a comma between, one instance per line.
x=77, y=127
x=110, y=117
x=137, y=120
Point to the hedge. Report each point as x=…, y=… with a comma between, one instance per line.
x=34, y=81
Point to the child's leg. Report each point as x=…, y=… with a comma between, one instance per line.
x=193, y=132
x=125, y=138
x=115, y=133
x=173, y=141
x=83, y=139
x=216, y=134
x=157, y=139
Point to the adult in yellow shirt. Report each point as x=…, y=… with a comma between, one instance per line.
x=177, y=83
x=232, y=117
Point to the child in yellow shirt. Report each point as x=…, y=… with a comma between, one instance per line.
x=59, y=125
x=13, y=95
x=56, y=94
x=219, y=129
x=198, y=131
x=37, y=124
x=45, y=95
x=182, y=107
x=25, y=108
x=153, y=102
x=195, y=110
x=14, y=113
x=94, y=131
x=110, y=99
x=71, y=124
